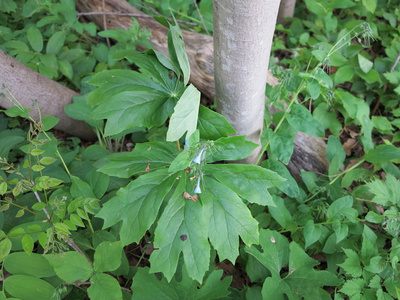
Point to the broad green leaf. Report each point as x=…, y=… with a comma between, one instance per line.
x=319, y=55
x=80, y=110
x=281, y=214
x=370, y=5
x=71, y=266
x=376, y=265
x=289, y=187
x=184, y=118
x=282, y=143
x=39, y=267
x=56, y=42
x=37, y=152
x=248, y=181
x=152, y=155
x=301, y=119
x=99, y=182
x=275, y=288
x=354, y=175
x=275, y=254
x=335, y=154
x=137, y=204
x=317, y=7
x=107, y=256
x=17, y=111
x=303, y=278
x=214, y=287
x=28, y=288
x=382, y=153
x=104, y=287
x=343, y=74
x=18, y=45
x=76, y=220
x=142, y=107
x=356, y=108
x=182, y=161
x=371, y=77
x=335, y=209
x=5, y=248
x=182, y=227
x=80, y=188
x=393, y=77
x=386, y=192
x=149, y=62
x=335, y=148
x=351, y=264
x=311, y=233
x=341, y=230
x=364, y=63
x=166, y=62
x=313, y=87
x=148, y=287
x=213, y=125
x=47, y=160
x=228, y=218
x=27, y=243
x=369, y=247
x=37, y=168
x=177, y=51
x=35, y=38
x=323, y=78
x=230, y=148
x=113, y=82
x=374, y=218
x=256, y=271
x=353, y=287
x=65, y=68
x=3, y=188
x=9, y=139
x=49, y=122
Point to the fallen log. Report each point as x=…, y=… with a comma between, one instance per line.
x=27, y=85
x=309, y=152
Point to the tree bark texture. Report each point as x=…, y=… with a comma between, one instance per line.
x=27, y=85
x=243, y=32
x=286, y=10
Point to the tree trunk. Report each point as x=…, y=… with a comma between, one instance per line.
x=27, y=85
x=286, y=10
x=243, y=32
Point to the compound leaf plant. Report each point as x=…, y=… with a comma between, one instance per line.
x=73, y=214
x=193, y=205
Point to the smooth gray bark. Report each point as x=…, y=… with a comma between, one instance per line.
x=243, y=32
x=286, y=10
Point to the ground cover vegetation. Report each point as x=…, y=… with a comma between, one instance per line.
x=169, y=219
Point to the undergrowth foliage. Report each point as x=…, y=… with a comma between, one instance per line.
x=69, y=214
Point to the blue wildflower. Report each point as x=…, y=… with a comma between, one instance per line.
x=187, y=143
x=197, y=190
x=197, y=159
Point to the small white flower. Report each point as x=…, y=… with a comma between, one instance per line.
x=197, y=190
x=197, y=159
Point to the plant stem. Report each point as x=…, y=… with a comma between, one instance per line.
x=24, y=208
x=74, y=246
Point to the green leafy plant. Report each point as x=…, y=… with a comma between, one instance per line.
x=76, y=215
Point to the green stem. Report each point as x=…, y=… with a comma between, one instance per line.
x=24, y=208
x=346, y=171
x=89, y=222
